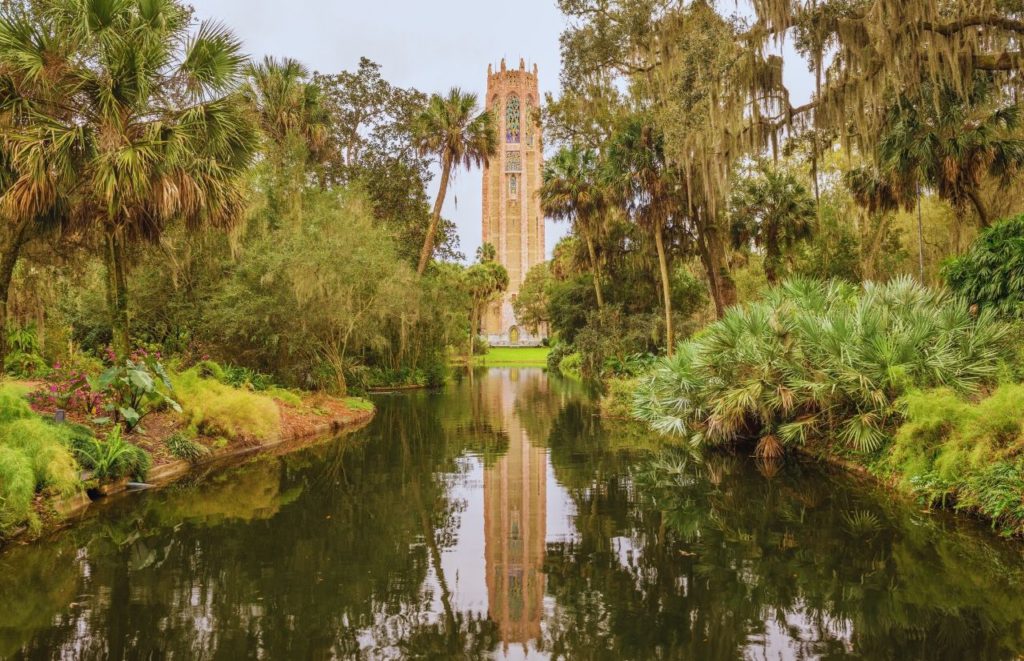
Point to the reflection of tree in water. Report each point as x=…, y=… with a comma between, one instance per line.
x=346, y=564
x=335, y=551
x=718, y=561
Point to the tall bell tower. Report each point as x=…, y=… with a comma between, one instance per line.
x=512, y=217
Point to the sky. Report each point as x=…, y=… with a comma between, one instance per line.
x=431, y=46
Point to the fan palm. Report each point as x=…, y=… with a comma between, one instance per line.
x=573, y=190
x=953, y=145
x=774, y=212
x=294, y=122
x=124, y=116
x=452, y=128
x=638, y=173
x=485, y=281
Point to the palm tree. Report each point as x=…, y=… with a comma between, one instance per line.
x=952, y=145
x=126, y=117
x=773, y=211
x=485, y=281
x=452, y=128
x=573, y=190
x=638, y=172
x=291, y=115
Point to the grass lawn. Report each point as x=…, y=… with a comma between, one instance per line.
x=514, y=356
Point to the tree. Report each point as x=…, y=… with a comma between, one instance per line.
x=531, y=305
x=991, y=274
x=637, y=171
x=452, y=129
x=372, y=144
x=485, y=281
x=573, y=190
x=128, y=119
x=771, y=210
x=291, y=116
x=952, y=143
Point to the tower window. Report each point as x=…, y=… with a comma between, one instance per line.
x=513, y=161
x=513, y=186
x=512, y=120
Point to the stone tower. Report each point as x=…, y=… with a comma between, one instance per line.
x=512, y=218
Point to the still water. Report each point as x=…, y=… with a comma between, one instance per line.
x=501, y=518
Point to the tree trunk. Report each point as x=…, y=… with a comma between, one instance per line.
x=474, y=321
x=720, y=266
x=9, y=260
x=117, y=295
x=666, y=291
x=980, y=207
x=435, y=218
x=595, y=270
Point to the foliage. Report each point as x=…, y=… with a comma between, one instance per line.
x=454, y=129
x=128, y=121
x=113, y=458
x=69, y=389
x=33, y=456
x=970, y=454
x=531, y=305
x=617, y=401
x=611, y=336
x=991, y=274
x=22, y=359
x=182, y=447
x=315, y=309
x=214, y=409
x=135, y=389
x=571, y=365
x=819, y=361
x=772, y=210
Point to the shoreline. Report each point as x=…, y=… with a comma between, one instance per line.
x=61, y=512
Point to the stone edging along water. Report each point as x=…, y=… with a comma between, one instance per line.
x=69, y=509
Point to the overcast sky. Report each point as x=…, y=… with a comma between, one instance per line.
x=431, y=46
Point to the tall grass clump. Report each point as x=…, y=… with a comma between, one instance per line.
x=34, y=456
x=952, y=451
x=819, y=361
x=213, y=408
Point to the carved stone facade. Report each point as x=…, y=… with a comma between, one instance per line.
x=512, y=218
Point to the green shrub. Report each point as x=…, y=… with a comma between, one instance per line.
x=17, y=488
x=183, y=447
x=34, y=455
x=991, y=274
x=113, y=457
x=951, y=450
x=284, y=395
x=215, y=409
x=618, y=402
x=571, y=365
x=45, y=445
x=821, y=360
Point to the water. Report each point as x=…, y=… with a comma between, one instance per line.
x=500, y=518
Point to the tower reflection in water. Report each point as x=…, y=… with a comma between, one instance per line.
x=515, y=514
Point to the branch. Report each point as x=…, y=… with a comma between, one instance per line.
x=1008, y=61
x=990, y=21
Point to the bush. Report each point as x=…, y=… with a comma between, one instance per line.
x=819, y=360
x=182, y=447
x=951, y=450
x=113, y=458
x=571, y=365
x=69, y=389
x=215, y=409
x=135, y=389
x=34, y=456
x=991, y=274
x=618, y=402
x=17, y=488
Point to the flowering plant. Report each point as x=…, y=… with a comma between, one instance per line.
x=67, y=388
